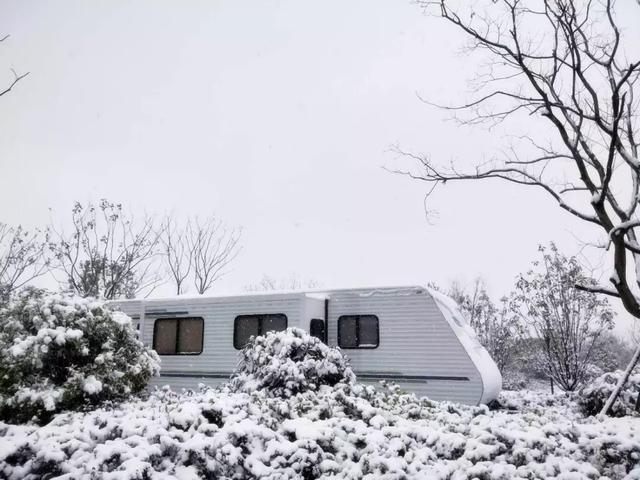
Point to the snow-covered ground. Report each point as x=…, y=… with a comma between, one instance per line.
x=347, y=432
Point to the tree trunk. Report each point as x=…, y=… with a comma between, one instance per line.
x=623, y=380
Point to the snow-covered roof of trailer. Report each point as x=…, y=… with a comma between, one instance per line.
x=316, y=292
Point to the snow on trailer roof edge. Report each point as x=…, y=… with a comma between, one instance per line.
x=401, y=290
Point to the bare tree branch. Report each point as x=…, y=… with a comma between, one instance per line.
x=597, y=289
x=16, y=77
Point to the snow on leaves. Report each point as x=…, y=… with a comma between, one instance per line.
x=294, y=411
x=348, y=431
x=285, y=363
x=59, y=352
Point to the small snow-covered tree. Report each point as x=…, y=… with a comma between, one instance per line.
x=286, y=363
x=569, y=321
x=59, y=352
x=108, y=254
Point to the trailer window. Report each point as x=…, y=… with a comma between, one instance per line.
x=247, y=326
x=358, y=331
x=178, y=336
x=316, y=329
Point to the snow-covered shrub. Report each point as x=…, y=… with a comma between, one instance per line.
x=288, y=362
x=540, y=402
x=346, y=432
x=593, y=397
x=59, y=352
x=514, y=380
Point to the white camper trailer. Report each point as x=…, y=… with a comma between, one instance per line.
x=409, y=335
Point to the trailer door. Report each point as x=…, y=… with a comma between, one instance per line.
x=314, y=317
x=318, y=329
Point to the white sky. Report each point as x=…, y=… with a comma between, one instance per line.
x=275, y=115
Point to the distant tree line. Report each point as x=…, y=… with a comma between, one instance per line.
x=546, y=329
x=105, y=252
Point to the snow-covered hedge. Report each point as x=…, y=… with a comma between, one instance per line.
x=341, y=432
x=593, y=397
x=63, y=353
x=289, y=362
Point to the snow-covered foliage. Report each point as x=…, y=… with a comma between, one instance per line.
x=289, y=362
x=344, y=431
x=63, y=353
x=539, y=402
x=593, y=397
x=514, y=380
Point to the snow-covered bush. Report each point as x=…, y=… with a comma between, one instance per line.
x=286, y=363
x=344, y=432
x=339, y=430
x=63, y=353
x=514, y=380
x=593, y=397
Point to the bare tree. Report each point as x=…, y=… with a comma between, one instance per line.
x=292, y=282
x=560, y=64
x=178, y=253
x=22, y=257
x=569, y=321
x=109, y=254
x=213, y=247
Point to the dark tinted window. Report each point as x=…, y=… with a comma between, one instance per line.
x=190, y=335
x=368, y=334
x=316, y=329
x=247, y=326
x=178, y=336
x=276, y=323
x=165, y=333
x=358, y=331
x=348, y=332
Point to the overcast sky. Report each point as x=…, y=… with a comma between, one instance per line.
x=275, y=115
